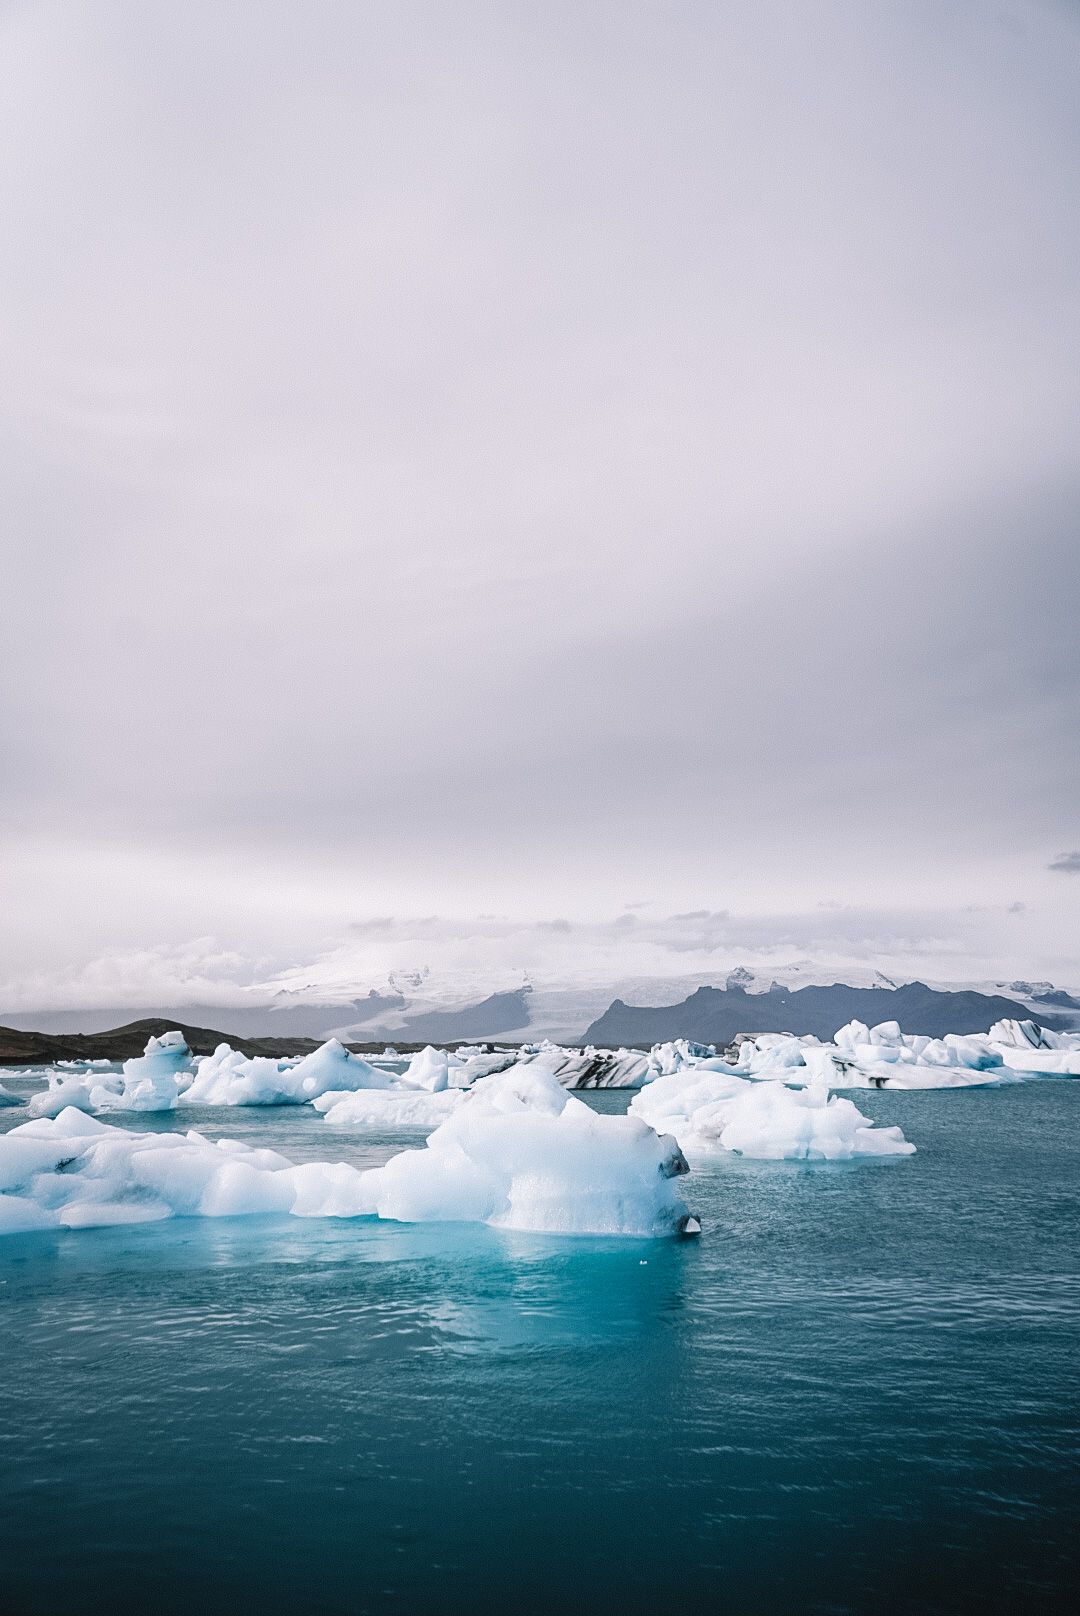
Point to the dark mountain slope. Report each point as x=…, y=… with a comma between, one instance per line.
x=19, y=1048
x=715, y=1015
x=502, y=1012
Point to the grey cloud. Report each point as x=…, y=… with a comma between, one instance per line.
x=499, y=458
x=1068, y=863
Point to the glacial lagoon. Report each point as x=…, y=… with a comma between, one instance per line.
x=856, y=1391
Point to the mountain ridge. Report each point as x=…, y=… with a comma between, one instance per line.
x=716, y=1015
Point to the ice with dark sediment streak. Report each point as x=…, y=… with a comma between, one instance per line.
x=885, y=1057
x=519, y=1152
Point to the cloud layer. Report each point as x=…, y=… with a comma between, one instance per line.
x=459, y=459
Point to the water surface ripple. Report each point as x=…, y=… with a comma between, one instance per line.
x=856, y=1392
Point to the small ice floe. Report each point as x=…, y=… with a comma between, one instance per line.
x=7, y=1098
x=389, y=1108
x=519, y=1152
x=710, y=1112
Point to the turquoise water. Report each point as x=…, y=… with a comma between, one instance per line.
x=856, y=1392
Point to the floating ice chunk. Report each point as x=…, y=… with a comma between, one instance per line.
x=73, y=1089
x=430, y=1069
x=770, y=1053
x=333, y=1067
x=472, y=1063
x=666, y=1058
x=589, y=1068
x=388, y=1108
x=710, y=1112
x=522, y=1153
x=873, y=1057
x=7, y=1098
x=229, y=1078
x=1024, y=1046
x=519, y=1152
x=153, y=1081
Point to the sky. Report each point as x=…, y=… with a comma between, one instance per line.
x=576, y=464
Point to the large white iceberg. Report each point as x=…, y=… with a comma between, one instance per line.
x=519, y=1152
x=522, y=1153
x=713, y=1111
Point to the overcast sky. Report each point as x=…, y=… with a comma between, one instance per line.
x=533, y=460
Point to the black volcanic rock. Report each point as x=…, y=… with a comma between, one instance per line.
x=715, y=1015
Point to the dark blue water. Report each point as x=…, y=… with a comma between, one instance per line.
x=856, y=1392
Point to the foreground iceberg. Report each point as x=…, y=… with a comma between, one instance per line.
x=522, y=1153
x=519, y=1152
x=711, y=1111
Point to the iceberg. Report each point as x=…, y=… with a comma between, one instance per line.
x=1026, y=1047
x=522, y=1153
x=331, y=1066
x=589, y=1068
x=388, y=1108
x=229, y=1078
x=519, y=1152
x=874, y=1057
x=430, y=1069
x=7, y=1098
x=712, y=1111
x=74, y=1089
x=152, y=1081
